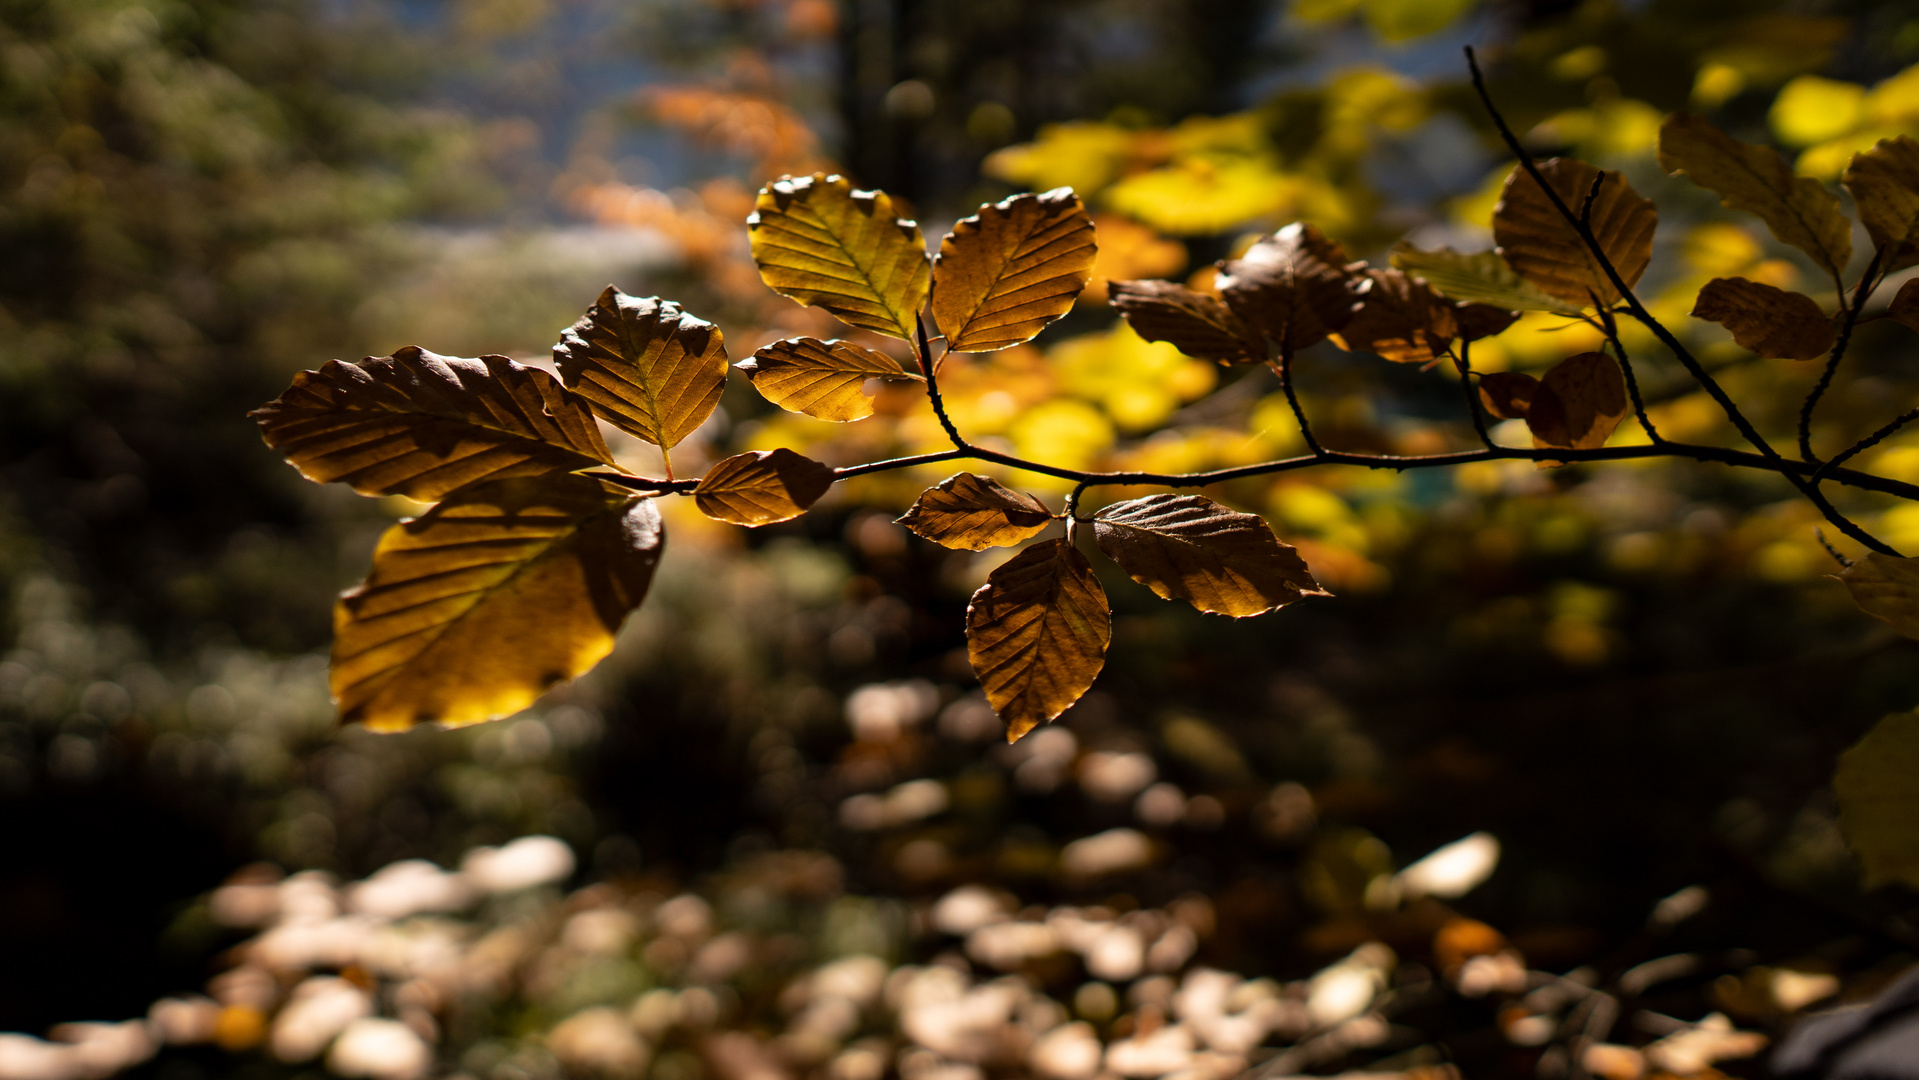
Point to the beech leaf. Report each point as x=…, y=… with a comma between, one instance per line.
x=422, y=425
x=645, y=365
x=823, y=379
x=1037, y=633
x=1188, y=547
x=1765, y=320
x=1538, y=241
x=1482, y=278
x=972, y=513
x=1879, y=803
x=1904, y=308
x=1886, y=587
x=1400, y=318
x=1293, y=286
x=1192, y=322
x=1578, y=404
x=1477, y=321
x=1798, y=209
x=818, y=241
x=761, y=487
x=1507, y=394
x=475, y=608
x=1006, y=272
x=1884, y=182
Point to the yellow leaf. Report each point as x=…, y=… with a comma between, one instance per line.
x=1190, y=548
x=1403, y=20
x=1884, y=182
x=422, y=425
x=1886, y=587
x=1578, y=404
x=644, y=364
x=1878, y=787
x=973, y=513
x=478, y=606
x=1064, y=432
x=1205, y=194
x=1798, y=209
x=824, y=244
x=823, y=379
x=761, y=487
x=1037, y=633
x=1537, y=240
x=1766, y=321
x=1810, y=110
x=1084, y=156
x=1003, y=274
x=1192, y=322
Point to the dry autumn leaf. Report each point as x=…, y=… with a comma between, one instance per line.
x=761, y=487
x=826, y=380
x=1293, y=286
x=1536, y=240
x=1879, y=803
x=1766, y=320
x=1188, y=547
x=422, y=425
x=644, y=364
x=1798, y=209
x=972, y=513
x=478, y=606
x=824, y=244
x=1507, y=394
x=1482, y=277
x=1884, y=182
x=1006, y=272
x=1578, y=404
x=1886, y=587
x=1475, y=321
x=1037, y=633
x=1904, y=308
x=1399, y=318
x=1192, y=322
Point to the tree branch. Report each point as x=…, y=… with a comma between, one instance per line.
x=1285, y=368
x=1859, y=298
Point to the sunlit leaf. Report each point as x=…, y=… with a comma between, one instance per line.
x=1879, y=802
x=1012, y=268
x=1766, y=320
x=973, y=513
x=1037, y=633
x=823, y=379
x=1508, y=394
x=824, y=244
x=1399, y=318
x=1884, y=182
x=1538, y=241
x=1192, y=322
x=761, y=487
x=1292, y=285
x=1886, y=587
x=477, y=607
x=1482, y=277
x=1798, y=209
x=1578, y=404
x=422, y=425
x=644, y=364
x=1188, y=547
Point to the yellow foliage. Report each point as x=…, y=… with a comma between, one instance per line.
x=1719, y=249
x=1208, y=194
x=1403, y=20
x=1129, y=251
x=1065, y=432
x=1139, y=383
x=1810, y=110
x=1084, y=156
x=1899, y=526
x=1615, y=127
x=1895, y=101
x=1716, y=84
x=1538, y=339
x=1476, y=208
x=1835, y=120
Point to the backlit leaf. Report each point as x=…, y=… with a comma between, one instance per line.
x=1012, y=268
x=1798, y=209
x=1292, y=285
x=1766, y=320
x=1477, y=321
x=823, y=379
x=1508, y=394
x=1037, y=633
x=1192, y=322
x=973, y=513
x=1400, y=318
x=1879, y=802
x=422, y=425
x=475, y=608
x=1886, y=587
x=1536, y=240
x=1482, y=277
x=824, y=244
x=1188, y=547
x=1884, y=182
x=761, y=487
x=644, y=364
x=1578, y=404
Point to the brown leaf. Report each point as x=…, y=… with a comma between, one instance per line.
x=422, y=425
x=1886, y=587
x=824, y=244
x=1765, y=320
x=1904, y=308
x=823, y=379
x=1190, y=548
x=475, y=608
x=1400, y=318
x=1798, y=209
x=1507, y=394
x=1293, y=286
x=1037, y=633
x=644, y=364
x=1192, y=322
x=973, y=513
x=1012, y=268
x=1884, y=182
x=1578, y=404
x=1539, y=243
x=761, y=487
x=1879, y=803
x=1477, y=321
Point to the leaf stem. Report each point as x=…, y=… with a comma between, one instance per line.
x=1859, y=298
x=1463, y=362
x=1632, y=381
x=1285, y=368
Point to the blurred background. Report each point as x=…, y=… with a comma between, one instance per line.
x=777, y=834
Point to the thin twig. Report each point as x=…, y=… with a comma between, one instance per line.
x=1837, y=556
x=1866, y=443
x=1284, y=366
x=1860, y=296
x=1625, y=368
x=1463, y=362
x=1592, y=193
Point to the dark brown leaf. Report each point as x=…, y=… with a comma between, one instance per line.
x=1539, y=243
x=1904, y=308
x=761, y=487
x=1192, y=322
x=823, y=379
x=1188, y=547
x=1766, y=320
x=1798, y=209
x=648, y=367
x=1293, y=286
x=1012, y=268
x=1884, y=182
x=1507, y=394
x=973, y=513
x=1400, y=318
x=1037, y=633
x=1578, y=404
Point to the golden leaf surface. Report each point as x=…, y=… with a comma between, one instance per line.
x=1886, y=587
x=645, y=365
x=477, y=607
x=1037, y=633
x=1508, y=394
x=1578, y=404
x=1192, y=322
x=1292, y=285
x=823, y=244
x=1400, y=318
x=1006, y=272
x=1480, y=278
x=823, y=379
x=972, y=513
x=1536, y=240
x=1798, y=209
x=1884, y=182
x=421, y=425
x=1879, y=803
x=1188, y=547
x=1766, y=320
x=761, y=487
